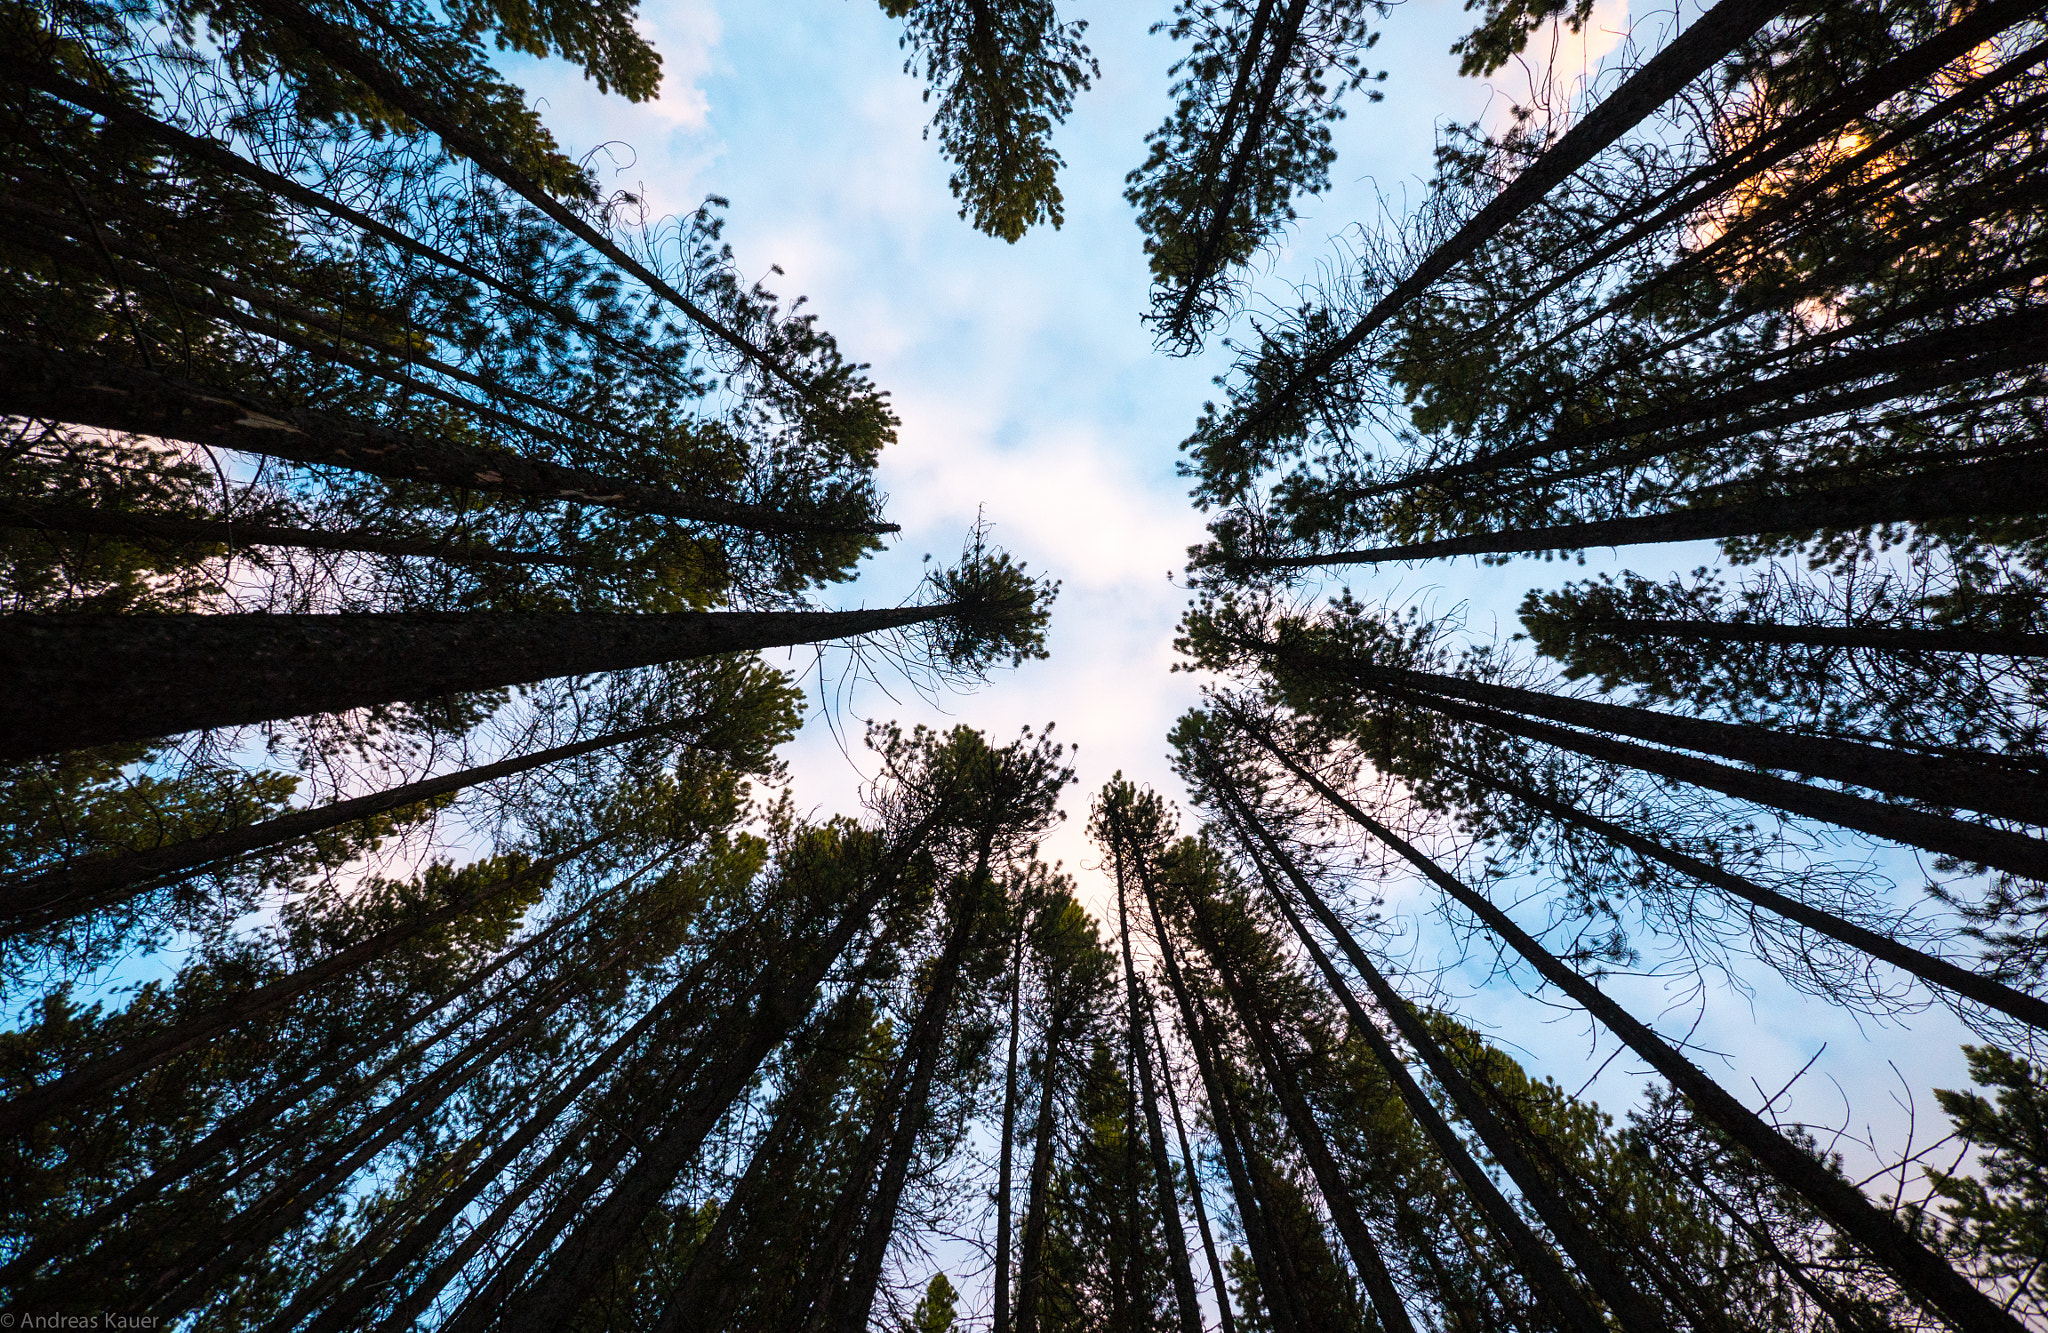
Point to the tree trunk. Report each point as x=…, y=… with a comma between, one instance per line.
x=1710, y=37
x=784, y=1000
x=698, y=1304
x=189, y=146
x=1921, y=1272
x=85, y=883
x=1934, y=971
x=30, y=516
x=26, y=1109
x=1030, y=1272
x=386, y=1262
x=237, y=1130
x=80, y=680
x=1537, y=1263
x=1162, y=1168
x=1223, y=207
x=186, y=1282
x=1009, y=1138
x=1976, y=843
x=338, y=46
x=85, y=391
x=1984, y=489
x=1995, y=789
x=1264, y=1262
x=880, y=1222
x=1259, y=1172
x=1822, y=118
x=1216, y=1276
x=1329, y=1177
x=1884, y=639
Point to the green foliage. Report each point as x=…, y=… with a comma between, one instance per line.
x=1507, y=27
x=1994, y=1219
x=1005, y=72
x=1255, y=96
x=935, y=1309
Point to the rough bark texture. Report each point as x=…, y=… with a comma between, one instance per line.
x=1991, y=489
x=85, y=391
x=1976, y=843
x=1919, y=1270
x=86, y=882
x=27, y=516
x=1934, y=971
x=1696, y=50
x=72, y=681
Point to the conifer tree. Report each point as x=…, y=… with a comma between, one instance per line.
x=1004, y=73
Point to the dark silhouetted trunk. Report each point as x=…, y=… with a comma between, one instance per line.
x=85, y=883
x=1155, y=1134
x=1916, y=640
x=880, y=1222
x=1541, y=1268
x=1981, y=490
x=1997, y=789
x=111, y=1071
x=1329, y=1177
x=1919, y=1270
x=1711, y=37
x=1009, y=1134
x=78, y=680
x=85, y=391
x=1934, y=971
x=1966, y=841
x=1217, y=1281
x=27, y=516
x=1256, y=1235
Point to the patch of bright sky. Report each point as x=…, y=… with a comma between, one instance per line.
x=1029, y=391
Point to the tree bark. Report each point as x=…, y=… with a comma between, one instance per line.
x=1995, y=789
x=1329, y=1177
x=1881, y=638
x=1162, y=1168
x=26, y=1109
x=1981, y=490
x=1692, y=53
x=1934, y=971
x=85, y=391
x=1218, y=1284
x=80, y=680
x=87, y=882
x=1922, y=1273
x=31, y=516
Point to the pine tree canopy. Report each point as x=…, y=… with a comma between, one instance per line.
x=417, y=908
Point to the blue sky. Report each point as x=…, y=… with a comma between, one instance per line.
x=1029, y=391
